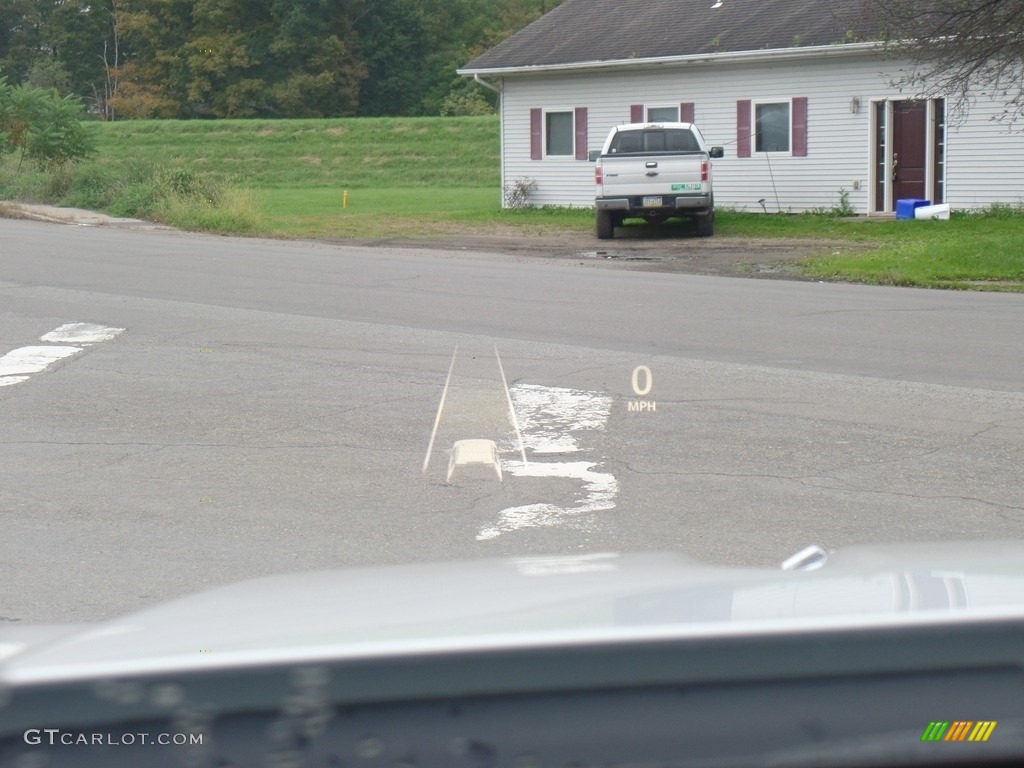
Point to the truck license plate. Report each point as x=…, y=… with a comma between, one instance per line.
x=652, y=202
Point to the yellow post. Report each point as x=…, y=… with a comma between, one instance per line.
x=344, y=199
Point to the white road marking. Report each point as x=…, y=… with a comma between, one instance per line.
x=600, y=488
x=33, y=359
x=81, y=333
x=18, y=364
x=552, y=418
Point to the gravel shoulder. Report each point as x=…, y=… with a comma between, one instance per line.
x=666, y=248
x=75, y=216
x=652, y=252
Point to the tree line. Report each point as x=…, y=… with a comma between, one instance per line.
x=257, y=58
x=333, y=58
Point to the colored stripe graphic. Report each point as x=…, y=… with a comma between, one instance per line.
x=982, y=730
x=959, y=730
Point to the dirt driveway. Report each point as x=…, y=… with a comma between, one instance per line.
x=668, y=248
x=663, y=249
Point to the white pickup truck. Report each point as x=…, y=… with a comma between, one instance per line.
x=654, y=171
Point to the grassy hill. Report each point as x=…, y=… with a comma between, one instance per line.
x=415, y=176
x=355, y=153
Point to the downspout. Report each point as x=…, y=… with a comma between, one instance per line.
x=485, y=84
x=501, y=128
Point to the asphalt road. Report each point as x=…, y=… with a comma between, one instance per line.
x=270, y=407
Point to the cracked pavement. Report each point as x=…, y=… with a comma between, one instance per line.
x=268, y=407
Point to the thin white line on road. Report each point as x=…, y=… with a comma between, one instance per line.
x=440, y=408
x=81, y=333
x=33, y=359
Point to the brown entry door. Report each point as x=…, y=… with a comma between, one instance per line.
x=909, y=137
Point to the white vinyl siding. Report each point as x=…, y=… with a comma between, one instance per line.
x=984, y=163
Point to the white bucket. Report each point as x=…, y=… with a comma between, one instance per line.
x=940, y=211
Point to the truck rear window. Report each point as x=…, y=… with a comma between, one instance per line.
x=653, y=140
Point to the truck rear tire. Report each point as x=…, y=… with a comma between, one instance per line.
x=706, y=225
x=605, y=225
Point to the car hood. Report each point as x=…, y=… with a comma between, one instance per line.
x=524, y=602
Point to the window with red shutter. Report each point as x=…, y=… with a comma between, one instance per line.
x=772, y=126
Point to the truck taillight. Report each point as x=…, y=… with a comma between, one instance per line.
x=598, y=176
x=704, y=170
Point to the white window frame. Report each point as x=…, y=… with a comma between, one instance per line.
x=753, y=123
x=649, y=107
x=571, y=155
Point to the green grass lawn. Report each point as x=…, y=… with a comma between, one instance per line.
x=425, y=177
x=969, y=251
x=344, y=153
x=415, y=212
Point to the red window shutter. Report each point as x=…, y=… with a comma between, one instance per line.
x=636, y=113
x=800, y=126
x=536, y=134
x=743, y=128
x=686, y=112
x=580, y=126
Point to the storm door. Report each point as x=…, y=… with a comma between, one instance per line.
x=909, y=152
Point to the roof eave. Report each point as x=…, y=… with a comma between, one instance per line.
x=730, y=57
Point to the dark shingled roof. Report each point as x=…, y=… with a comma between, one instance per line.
x=611, y=30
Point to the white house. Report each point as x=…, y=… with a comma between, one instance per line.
x=802, y=106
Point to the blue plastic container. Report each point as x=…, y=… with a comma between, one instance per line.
x=905, y=208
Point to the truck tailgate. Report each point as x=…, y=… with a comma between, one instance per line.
x=630, y=176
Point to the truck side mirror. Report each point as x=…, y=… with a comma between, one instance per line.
x=717, y=152
x=594, y=154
